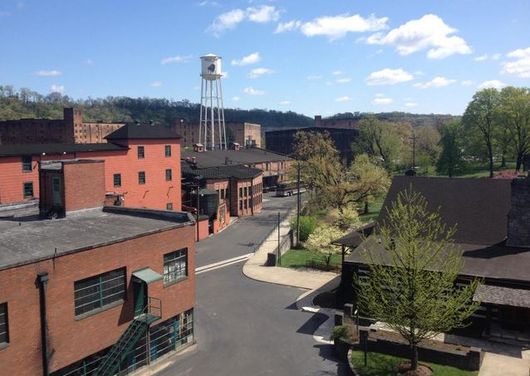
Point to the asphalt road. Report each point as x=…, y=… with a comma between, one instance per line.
x=244, y=327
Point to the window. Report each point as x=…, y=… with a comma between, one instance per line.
x=240, y=192
x=169, y=206
x=246, y=203
x=4, y=332
x=175, y=266
x=26, y=163
x=117, y=180
x=240, y=204
x=141, y=152
x=141, y=177
x=169, y=174
x=245, y=190
x=99, y=291
x=167, y=150
x=28, y=190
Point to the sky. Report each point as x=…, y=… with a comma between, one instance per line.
x=312, y=57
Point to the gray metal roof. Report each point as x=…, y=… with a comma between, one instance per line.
x=503, y=296
x=26, y=239
x=55, y=149
x=248, y=156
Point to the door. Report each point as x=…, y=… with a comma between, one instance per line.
x=140, y=296
x=56, y=191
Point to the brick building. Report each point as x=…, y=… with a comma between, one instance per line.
x=245, y=134
x=282, y=141
x=70, y=129
x=275, y=166
x=99, y=291
x=142, y=167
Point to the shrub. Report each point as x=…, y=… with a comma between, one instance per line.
x=307, y=226
x=342, y=332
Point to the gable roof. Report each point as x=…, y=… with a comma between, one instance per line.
x=221, y=172
x=477, y=207
x=143, y=131
x=247, y=156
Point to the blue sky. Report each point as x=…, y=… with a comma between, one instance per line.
x=313, y=57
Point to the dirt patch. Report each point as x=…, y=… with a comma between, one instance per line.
x=422, y=370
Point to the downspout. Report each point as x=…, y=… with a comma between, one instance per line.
x=42, y=279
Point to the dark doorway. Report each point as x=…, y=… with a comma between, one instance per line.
x=139, y=295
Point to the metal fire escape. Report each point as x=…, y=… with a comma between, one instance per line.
x=139, y=326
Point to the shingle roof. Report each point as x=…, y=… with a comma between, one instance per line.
x=143, y=131
x=478, y=207
x=213, y=158
x=39, y=149
x=221, y=172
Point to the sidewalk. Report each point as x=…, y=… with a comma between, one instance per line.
x=495, y=365
x=255, y=269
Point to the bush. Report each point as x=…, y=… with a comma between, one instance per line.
x=307, y=226
x=341, y=332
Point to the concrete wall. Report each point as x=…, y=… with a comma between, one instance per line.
x=71, y=338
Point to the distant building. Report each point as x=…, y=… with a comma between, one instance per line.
x=492, y=220
x=101, y=291
x=336, y=123
x=142, y=167
x=70, y=129
x=282, y=141
x=245, y=134
x=275, y=166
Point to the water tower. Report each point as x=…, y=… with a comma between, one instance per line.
x=212, y=132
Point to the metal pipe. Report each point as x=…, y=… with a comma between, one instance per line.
x=42, y=280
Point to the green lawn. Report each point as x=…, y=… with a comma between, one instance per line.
x=384, y=365
x=373, y=211
x=481, y=170
x=298, y=258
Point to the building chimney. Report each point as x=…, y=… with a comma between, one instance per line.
x=318, y=120
x=519, y=216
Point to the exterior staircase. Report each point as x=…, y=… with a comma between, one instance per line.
x=110, y=364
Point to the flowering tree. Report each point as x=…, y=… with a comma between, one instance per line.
x=320, y=241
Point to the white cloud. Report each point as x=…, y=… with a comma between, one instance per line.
x=313, y=77
x=156, y=84
x=335, y=27
x=263, y=14
x=48, y=73
x=236, y=98
x=57, y=89
x=481, y=58
x=343, y=80
x=258, y=72
x=288, y=26
x=284, y=103
x=253, y=58
x=411, y=104
x=229, y=20
x=251, y=91
x=225, y=74
x=496, y=56
x=379, y=100
x=520, y=66
x=466, y=83
x=208, y=3
x=336, y=73
x=176, y=59
x=438, y=81
x=343, y=99
x=388, y=76
x=429, y=32
x=495, y=84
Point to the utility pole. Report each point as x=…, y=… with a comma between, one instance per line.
x=298, y=204
x=279, y=258
x=197, y=213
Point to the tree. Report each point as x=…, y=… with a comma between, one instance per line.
x=320, y=241
x=427, y=146
x=378, y=139
x=514, y=115
x=413, y=266
x=343, y=186
x=480, y=121
x=450, y=160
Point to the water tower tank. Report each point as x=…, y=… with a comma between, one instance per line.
x=211, y=67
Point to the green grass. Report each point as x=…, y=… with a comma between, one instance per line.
x=481, y=170
x=373, y=211
x=385, y=365
x=298, y=258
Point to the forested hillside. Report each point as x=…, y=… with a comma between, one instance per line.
x=25, y=103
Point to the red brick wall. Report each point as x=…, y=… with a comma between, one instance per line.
x=218, y=185
x=154, y=194
x=203, y=230
x=71, y=339
x=84, y=185
x=253, y=206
